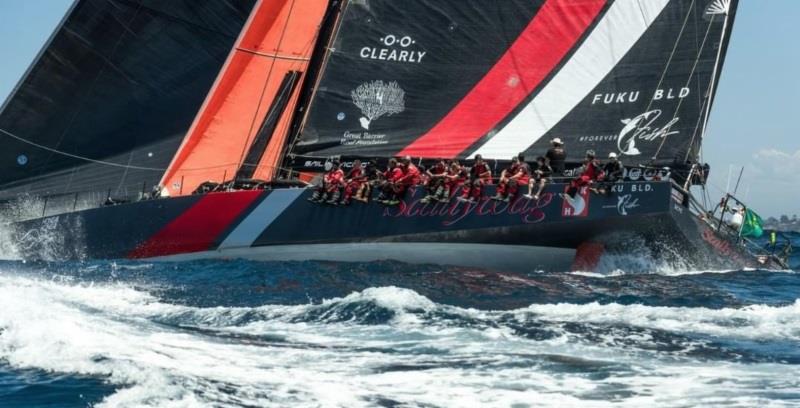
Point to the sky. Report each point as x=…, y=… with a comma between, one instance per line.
x=754, y=123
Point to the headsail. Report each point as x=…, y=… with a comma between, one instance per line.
x=112, y=94
x=455, y=78
x=241, y=128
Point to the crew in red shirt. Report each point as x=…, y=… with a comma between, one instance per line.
x=479, y=175
x=455, y=178
x=392, y=185
x=328, y=190
x=436, y=178
x=510, y=179
x=353, y=182
x=589, y=175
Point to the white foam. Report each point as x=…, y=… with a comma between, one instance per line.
x=112, y=331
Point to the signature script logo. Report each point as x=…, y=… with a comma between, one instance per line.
x=643, y=128
x=530, y=211
x=626, y=202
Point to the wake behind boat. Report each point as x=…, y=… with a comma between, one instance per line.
x=308, y=84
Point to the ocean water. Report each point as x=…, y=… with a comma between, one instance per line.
x=247, y=334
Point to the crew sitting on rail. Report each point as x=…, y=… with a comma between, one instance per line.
x=539, y=179
x=613, y=172
x=328, y=190
x=590, y=173
x=372, y=177
x=479, y=175
x=353, y=182
x=516, y=175
x=411, y=174
x=435, y=184
x=392, y=188
x=453, y=180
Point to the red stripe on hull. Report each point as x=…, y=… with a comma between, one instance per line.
x=198, y=228
x=552, y=33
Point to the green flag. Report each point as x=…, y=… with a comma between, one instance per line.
x=753, y=225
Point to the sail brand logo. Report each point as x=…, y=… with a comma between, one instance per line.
x=530, y=211
x=718, y=7
x=626, y=202
x=614, y=98
x=377, y=99
x=394, y=48
x=643, y=128
x=577, y=206
x=636, y=174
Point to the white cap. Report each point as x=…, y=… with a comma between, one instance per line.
x=612, y=155
x=557, y=141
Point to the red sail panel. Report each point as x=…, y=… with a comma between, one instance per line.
x=546, y=41
x=278, y=38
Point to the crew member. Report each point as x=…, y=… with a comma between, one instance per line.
x=613, y=172
x=436, y=177
x=479, y=175
x=328, y=190
x=520, y=175
x=590, y=173
x=505, y=176
x=372, y=177
x=539, y=178
x=411, y=174
x=353, y=182
x=557, y=157
x=455, y=178
x=394, y=188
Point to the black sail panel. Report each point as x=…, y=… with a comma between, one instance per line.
x=118, y=82
x=499, y=78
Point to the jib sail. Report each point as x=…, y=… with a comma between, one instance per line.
x=451, y=79
x=242, y=127
x=110, y=97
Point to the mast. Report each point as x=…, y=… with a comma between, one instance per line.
x=319, y=59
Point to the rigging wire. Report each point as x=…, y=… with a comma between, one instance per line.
x=325, y=59
x=689, y=80
x=671, y=55
x=122, y=166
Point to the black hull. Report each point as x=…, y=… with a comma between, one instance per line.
x=525, y=235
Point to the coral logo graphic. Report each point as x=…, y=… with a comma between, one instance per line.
x=377, y=99
x=642, y=128
x=577, y=206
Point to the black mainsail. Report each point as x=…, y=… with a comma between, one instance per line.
x=451, y=79
x=110, y=97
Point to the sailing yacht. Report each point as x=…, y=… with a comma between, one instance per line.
x=233, y=109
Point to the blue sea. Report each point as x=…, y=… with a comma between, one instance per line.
x=316, y=334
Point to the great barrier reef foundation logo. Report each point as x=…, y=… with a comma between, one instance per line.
x=643, y=128
x=377, y=99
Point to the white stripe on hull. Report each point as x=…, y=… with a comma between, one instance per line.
x=246, y=233
x=615, y=35
x=512, y=258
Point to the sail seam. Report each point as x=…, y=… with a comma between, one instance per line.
x=274, y=56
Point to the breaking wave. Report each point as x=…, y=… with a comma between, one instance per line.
x=247, y=334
